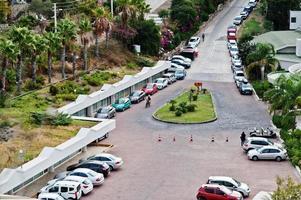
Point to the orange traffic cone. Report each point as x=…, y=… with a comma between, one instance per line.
x=191, y=139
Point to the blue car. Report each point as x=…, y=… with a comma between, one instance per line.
x=122, y=104
x=180, y=74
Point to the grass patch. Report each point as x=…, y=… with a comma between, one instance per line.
x=204, y=111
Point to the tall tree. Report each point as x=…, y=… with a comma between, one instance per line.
x=67, y=31
x=9, y=52
x=53, y=44
x=37, y=46
x=20, y=36
x=263, y=57
x=127, y=9
x=142, y=8
x=85, y=28
x=287, y=190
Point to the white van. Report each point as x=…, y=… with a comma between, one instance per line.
x=50, y=196
x=67, y=189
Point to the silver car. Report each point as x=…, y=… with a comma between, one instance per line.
x=268, y=153
x=230, y=183
x=258, y=142
x=170, y=77
x=106, y=112
x=114, y=162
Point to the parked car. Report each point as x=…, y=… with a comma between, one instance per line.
x=187, y=60
x=244, y=14
x=173, y=67
x=107, y=112
x=237, y=20
x=137, y=96
x=248, y=9
x=195, y=50
x=236, y=59
x=180, y=74
x=258, y=142
x=236, y=67
x=161, y=83
x=231, y=43
x=170, y=77
x=262, y=195
x=238, y=75
x=194, y=41
x=231, y=29
x=85, y=184
x=150, y=88
x=97, y=166
x=67, y=189
x=181, y=63
x=50, y=196
x=61, y=175
x=233, y=50
x=94, y=177
x=122, y=104
x=268, y=153
x=231, y=36
x=240, y=80
x=252, y=3
x=231, y=184
x=189, y=53
x=245, y=88
x=217, y=192
x=114, y=162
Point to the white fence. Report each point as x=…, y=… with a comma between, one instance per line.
x=108, y=90
x=12, y=180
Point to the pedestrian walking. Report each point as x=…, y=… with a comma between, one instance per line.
x=242, y=138
x=203, y=36
x=148, y=101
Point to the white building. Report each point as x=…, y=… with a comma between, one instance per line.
x=295, y=20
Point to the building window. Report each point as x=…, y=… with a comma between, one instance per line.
x=293, y=19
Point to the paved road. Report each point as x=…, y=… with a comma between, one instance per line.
x=174, y=170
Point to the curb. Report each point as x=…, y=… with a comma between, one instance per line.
x=298, y=171
x=187, y=123
x=256, y=96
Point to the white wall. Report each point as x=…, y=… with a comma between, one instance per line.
x=295, y=15
x=49, y=156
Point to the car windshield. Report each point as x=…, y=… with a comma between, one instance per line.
x=226, y=190
x=237, y=182
x=237, y=18
x=149, y=86
x=92, y=173
x=179, y=72
x=245, y=85
x=159, y=81
x=192, y=40
x=120, y=101
x=135, y=94
x=240, y=74
x=234, y=48
x=104, y=110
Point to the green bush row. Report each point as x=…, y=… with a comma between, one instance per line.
x=98, y=78
x=45, y=119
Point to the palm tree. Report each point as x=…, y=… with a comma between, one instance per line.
x=37, y=45
x=85, y=27
x=67, y=31
x=53, y=43
x=127, y=9
x=20, y=36
x=102, y=23
x=142, y=8
x=9, y=52
x=263, y=57
x=285, y=93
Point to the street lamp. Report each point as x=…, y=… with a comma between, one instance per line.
x=112, y=8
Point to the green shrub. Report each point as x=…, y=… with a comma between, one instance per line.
x=98, y=78
x=191, y=107
x=163, y=13
x=172, y=108
x=284, y=122
x=178, y=113
x=61, y=120
x=5, y=123
x=37, y=118
x=53, y=90
x=144, y=62
x=195, y=97
x=30, y=85
x=3, y=98
x=261, y=87
x=131, y=65
x=183, y=107
x=67, y=97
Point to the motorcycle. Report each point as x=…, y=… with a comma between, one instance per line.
x=267, y=133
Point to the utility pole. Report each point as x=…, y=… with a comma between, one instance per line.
x=55, y=17
x=112, y=8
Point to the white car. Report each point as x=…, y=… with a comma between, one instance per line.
x=238, y=75
x=50, y=196
x=94, y=177
x=236, y=59
x=244, y=14
x=231, y=43
x=170, y=77
x=67, y=189
x=233, y=50
x=231, y=184
x=237, y=20
x=194, y=41
x=174, y=67
x=85, y=183
x=258, y=142
x=268, y=153
x=161, y=83
x=114, y=162
x=187, y=60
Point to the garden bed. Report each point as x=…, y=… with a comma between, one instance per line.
x=204, y=110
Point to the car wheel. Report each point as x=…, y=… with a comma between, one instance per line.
x=123, y=109
x=255, y=158
x=111, y=168
x=114, y=115
x=278, y=158
x=106, y=135
x=202, y=198
x=242, y=194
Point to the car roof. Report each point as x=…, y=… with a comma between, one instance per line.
x=168, y=74
x=63, y=182
x=75, y=178
x=93, y=161
x=84, y=170
x=270, y=147
x=160, y=79
x=224, y=178
x=257, y=138
x=239, y=71
x=212, y=185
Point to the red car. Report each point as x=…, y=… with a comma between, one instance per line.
x=217, y=192
x=231, y=36
x=150, y=88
